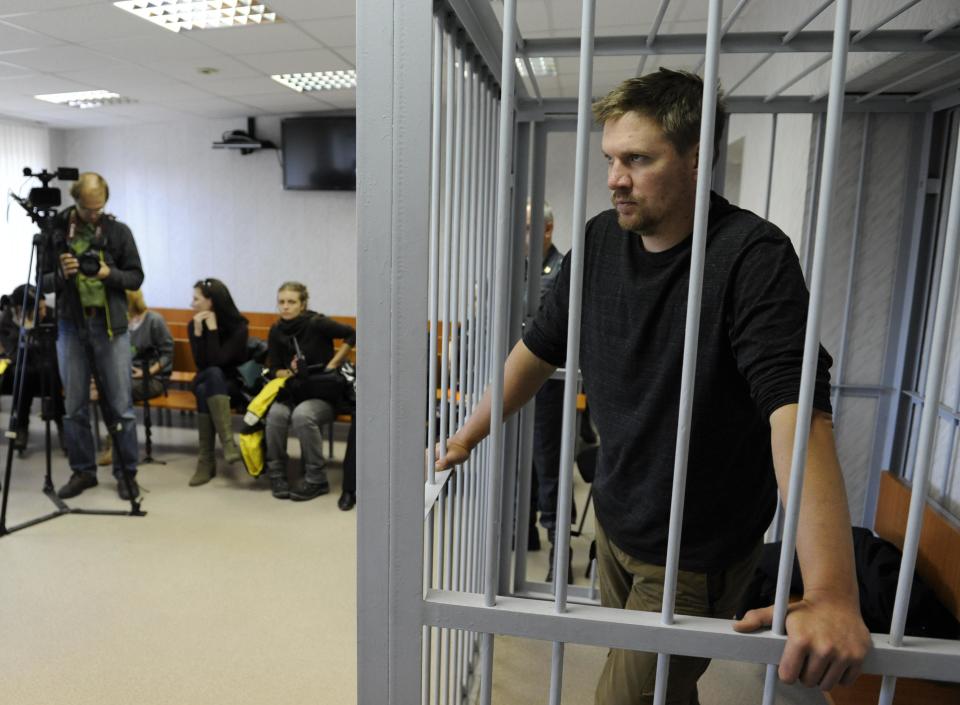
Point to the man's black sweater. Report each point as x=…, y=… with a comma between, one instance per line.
x=752, y=330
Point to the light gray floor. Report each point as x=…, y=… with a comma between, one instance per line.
x=221, y=594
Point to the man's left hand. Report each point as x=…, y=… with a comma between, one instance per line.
x=826, y=639
x=103, y=272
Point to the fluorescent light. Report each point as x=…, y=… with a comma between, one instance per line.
x=542, y=66
x=84, y=99
x=191, y=14
x=318, y=81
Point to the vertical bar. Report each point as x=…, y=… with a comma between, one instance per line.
x=448, y=168
x=691, y=342
x=572, y=362
x=810, y=207
x=851, y=272
x=498, y=351
x=770, y=162
x=928, y=420
x=432, y=327
x=841, y=32
x=434, y=240
x=521, y=170
x=393, y=207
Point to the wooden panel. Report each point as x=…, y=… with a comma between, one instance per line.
x=909, y=691
x=939, y=539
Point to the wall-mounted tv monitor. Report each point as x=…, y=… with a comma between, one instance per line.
x=320, y=153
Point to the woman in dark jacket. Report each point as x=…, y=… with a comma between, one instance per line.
x=218, y=341
x=307, y=402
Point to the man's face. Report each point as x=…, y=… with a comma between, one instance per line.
x=651, y=182
x=547, y=236
x=90, y=206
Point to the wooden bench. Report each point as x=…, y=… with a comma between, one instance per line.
x=938, y=566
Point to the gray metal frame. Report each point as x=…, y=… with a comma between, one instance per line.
x=434, y=548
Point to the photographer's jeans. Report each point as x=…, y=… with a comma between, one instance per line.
x=113, y=361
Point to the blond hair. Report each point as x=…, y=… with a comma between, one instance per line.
x=297, y=287
x=135, y=302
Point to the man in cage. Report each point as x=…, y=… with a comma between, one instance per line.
x=754, y=312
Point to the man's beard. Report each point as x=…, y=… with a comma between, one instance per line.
x=640, y=222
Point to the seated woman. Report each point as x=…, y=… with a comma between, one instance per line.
x=41, y=361
x=152, y=342
x=301, y=405
x=218, y=341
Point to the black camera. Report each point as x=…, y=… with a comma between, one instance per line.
x=89, y=262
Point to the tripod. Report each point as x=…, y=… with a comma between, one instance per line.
x=43, y=253
x=148, y=356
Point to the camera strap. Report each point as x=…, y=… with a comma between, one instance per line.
x=72, y=232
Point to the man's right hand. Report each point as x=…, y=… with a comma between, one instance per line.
x=69, y=264
x=457, y=454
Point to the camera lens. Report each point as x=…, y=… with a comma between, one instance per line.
x=89, y=264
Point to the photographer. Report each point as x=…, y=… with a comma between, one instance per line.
x=12, y=316
x=98, y=263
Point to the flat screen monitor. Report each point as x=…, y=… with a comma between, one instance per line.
x=319, y=153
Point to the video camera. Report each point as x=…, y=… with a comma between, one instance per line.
x=43, y=200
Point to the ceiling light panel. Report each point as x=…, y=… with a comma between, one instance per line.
x=318, y=81
x=85, y=99
x=177, y=15
x=542, y=66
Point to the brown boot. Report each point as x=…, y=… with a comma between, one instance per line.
x=220, y=414
x=206, y=463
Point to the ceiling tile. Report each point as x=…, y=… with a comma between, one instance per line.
x=334, y=32
x=8, y=70
x=291, y=101
x=121, y=78
x=238, y=41
x=13, y=38
x=40, y=83
x=188, y=69
x=212, y=107
x=154, y=47
x=58, y=58
x=257, y=85
x=86, y=23
x=17, y=7
x=339, y=99
x=296, y=61
x=296, y=10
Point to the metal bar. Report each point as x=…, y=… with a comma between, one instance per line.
x=498, y=351
x=727, y=24
x=908, y=77
x=456, y=221
x=863, y=33
x=435, y=142
x=393, y=209
x=749, y=73
x=572, y=359
x=811, y=348
x=441, y=551
x=811, y=206
x=942, y=29
x=531, y=76
x=435, y=146
x=933, y=91
x=773, y=151
x=896, y=40
x=445, y=293
x=691, y=339
x=592, y=625
x=803, y=74
x=928, y=420
x=851, y=271
x=788, y=37
x=904, y=296
x=652, y=34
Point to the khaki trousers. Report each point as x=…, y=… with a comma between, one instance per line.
x=627, y=583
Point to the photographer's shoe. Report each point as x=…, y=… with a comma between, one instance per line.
x=279, y=487
x=347, y=501
x=77, y=483
x=125, y=488
x=304, y=490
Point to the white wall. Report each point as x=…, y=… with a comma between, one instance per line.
x=21, y=145
x=789, y=168
x=197, y=212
